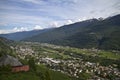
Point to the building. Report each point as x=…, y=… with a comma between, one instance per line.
x=14, y=62
x=20, y=68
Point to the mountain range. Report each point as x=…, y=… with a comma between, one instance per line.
x=92, y=33
x=17, y=36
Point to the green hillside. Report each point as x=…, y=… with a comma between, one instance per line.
x=4, y=47
x=31, y=75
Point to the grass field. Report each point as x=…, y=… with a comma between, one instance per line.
x=31, y=75
x=19, y=76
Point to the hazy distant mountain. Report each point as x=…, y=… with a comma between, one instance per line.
x=24, y=34
x=86, y=34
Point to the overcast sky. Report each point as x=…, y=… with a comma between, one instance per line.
x=24, y=15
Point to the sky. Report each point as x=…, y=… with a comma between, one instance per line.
x=25, y=15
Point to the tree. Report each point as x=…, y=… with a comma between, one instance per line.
x=32, y=65
x=5, y=68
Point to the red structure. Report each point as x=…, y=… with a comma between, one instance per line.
x=20, y=68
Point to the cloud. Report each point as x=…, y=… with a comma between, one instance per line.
x=54, y=24
x=92, y=12
x=70, y=22
x=32, y=1
x=5, y=31
x=52, y=13
x=16, y=29
x=38, y=27
x=3, y=24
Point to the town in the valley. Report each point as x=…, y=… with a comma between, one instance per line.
x=71, y=61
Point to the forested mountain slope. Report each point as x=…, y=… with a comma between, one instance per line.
x=86, y=34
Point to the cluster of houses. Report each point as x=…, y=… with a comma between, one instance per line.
x=23, y=51
x=73, y=66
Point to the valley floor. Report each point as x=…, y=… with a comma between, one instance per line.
x=66, y=63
